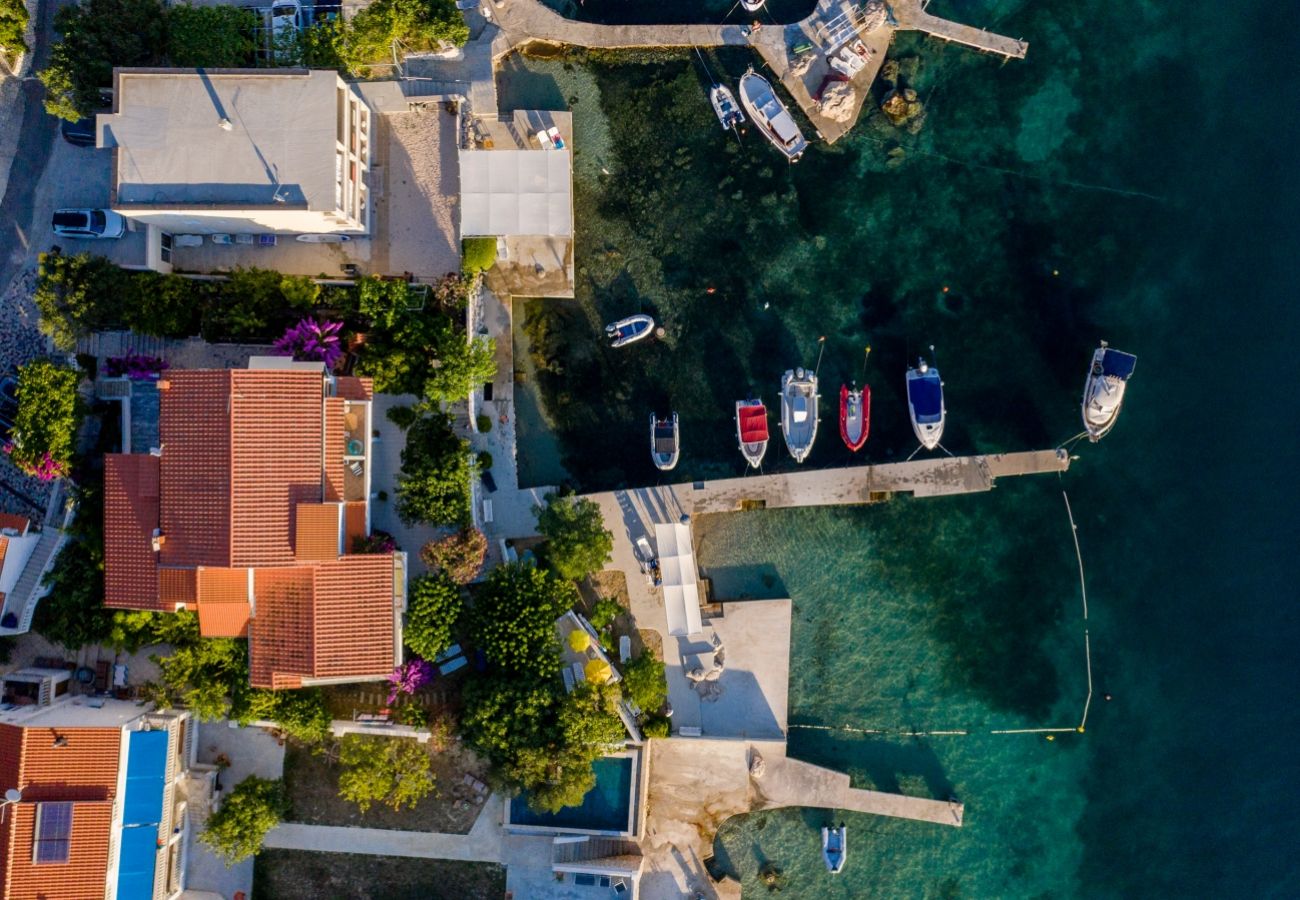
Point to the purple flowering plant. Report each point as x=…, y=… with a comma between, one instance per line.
x=312, y=340
x=409, y=678
x=135, y=366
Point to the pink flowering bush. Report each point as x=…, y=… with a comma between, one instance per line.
x=135, y=366
x=409, y=678
x=312, y=340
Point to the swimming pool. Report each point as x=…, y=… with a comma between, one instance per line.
x=606, y=807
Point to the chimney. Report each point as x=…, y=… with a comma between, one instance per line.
x=158, y=540
x=163, y=384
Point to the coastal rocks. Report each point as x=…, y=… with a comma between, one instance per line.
x=904, y=109
x=756, y=765
x=802, y=63
x=838, y=102
x=873, y=15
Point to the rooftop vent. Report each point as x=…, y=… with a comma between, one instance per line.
x=158, y=540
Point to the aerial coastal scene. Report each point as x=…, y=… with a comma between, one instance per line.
x=691, y=449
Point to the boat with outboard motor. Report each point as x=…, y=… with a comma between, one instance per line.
x=855, y=416
x=724, y=104
x=629, y=330
x=925, y=403
x=835, y=847
x=752, y=6
x=799, y=412
x=751, y=429
x=665, y=444
x=771, y=116
x=1103, y=391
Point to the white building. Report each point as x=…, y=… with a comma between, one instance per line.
x=243, y=152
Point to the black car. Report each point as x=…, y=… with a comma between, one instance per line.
x=80, y=133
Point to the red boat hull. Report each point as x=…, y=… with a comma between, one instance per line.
x=861, y=441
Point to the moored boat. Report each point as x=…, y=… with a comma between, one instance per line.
x=835, y=847
x=925, y=403
x=855, y=416
x=771, y=116
x=1103, y=391
x=751, y=430
x=629, y=330
x=752, y=6
x=665, y=445
x=724, y=104
x=799, y=412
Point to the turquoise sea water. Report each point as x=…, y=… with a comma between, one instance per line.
x=1135, y=179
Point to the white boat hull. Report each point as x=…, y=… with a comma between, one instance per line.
x=752, y=450
x=664, y=448
x=929, y=418
x=1103, y=391
x=725, y=106
x=799, y=412
x=770, y=115
x=629, y=330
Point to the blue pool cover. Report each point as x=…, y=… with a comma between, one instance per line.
x=926, y=396
x=605, y=807
x=146, y=777
x=1118, y=363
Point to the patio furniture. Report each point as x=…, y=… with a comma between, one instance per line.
x=624, y=648
x=222, y=239
x=568, y=680
x=448, y=667
x=356, y=469
x=102, y=669
x=266, y=240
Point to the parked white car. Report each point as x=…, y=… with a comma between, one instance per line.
x=88, y=224
x=286, y=22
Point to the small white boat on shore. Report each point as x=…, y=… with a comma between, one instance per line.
x=629, y=330
x=771, y=116
x=925, y=403
x=1103, y=392
x=724, y=104
x=751, y=429
x=835, y=848
x=799, y=412
x=665, y=443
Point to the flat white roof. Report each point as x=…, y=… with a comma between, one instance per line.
x=680, y=578
x=516, y=192
x=172, y=147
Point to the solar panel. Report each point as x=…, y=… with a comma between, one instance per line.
x=53, y=832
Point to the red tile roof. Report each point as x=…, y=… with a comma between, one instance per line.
x=354, y=523
x=335, y=446
x=223, y=603
x=196, y=474
x=19, y=524
x=350, y=387
x=130, y=517
x=178, y=586
x=280, y=634
x=354, y=617
x=317, y=531
x=83, y=876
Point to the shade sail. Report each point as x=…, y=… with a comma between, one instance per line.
x=753, y=424
x=516, y=192
x=680, y=579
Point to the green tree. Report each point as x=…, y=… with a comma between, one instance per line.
x=462, y=365
x=301, y=714
x=391, y=771
x=236, y=831
x=97, y=36
x=209, y=36
x=459, y=555
x=73, y=613
x=256, y=304
x=644, y=684
x=577, y=542
x=13, y=28
x=513, y=620
x=368, y=37
x=477, y=254
x=436, y=470
x=77, y=295
x=164, y=305
x=434, y=605
x=45, y=426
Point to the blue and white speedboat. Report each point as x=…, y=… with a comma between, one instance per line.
x=1103, y=392
x=925, y=403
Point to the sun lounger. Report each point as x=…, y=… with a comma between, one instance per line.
x=624, y=648
x=569, y=684
x=448, y=667
x=453, y=650
x=579, y=676
x=545, y=140
x=852, y=60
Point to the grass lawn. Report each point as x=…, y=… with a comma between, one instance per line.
x=304, y=875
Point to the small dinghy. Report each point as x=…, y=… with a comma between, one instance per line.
x=664, y=444
x=855, y=416
x=771, y=116
x=925, y=403
x=751, y=429
x=1103, y=392
x=752, y=6
x=629, y=330
x=799, y=412
x=724, y=104
x=834, y=848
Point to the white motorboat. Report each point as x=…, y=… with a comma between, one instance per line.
x=835, y=847
x=629, y=330
x=771, y=116
x=799, y=412
x=1103, y=392
x=751, y=429
x=665, y=445
x=724, y=104
x=925, y=403
x=752, y=6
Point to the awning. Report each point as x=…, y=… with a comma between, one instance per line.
x=680, y=579
x=516, y=192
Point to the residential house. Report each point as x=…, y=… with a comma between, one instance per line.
x=244, y=153
x=95, y=797
x=251, y=511
x=26, y=556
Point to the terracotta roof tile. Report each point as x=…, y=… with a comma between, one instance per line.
x=317, y=531
x=335, y=438
x=354, y=634
x=19, y=524
x=4, y=549
x=83, y=768
x=354, y=523
x=83, y=876
x=280, y=634
x=223, y=605
x=276, y=421
x=178, y=586
x=224, y=620
x=351, y=387
x=130, y=517
x=196, y=468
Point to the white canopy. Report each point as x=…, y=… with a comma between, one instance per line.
x=681, y=582
x=515, y=192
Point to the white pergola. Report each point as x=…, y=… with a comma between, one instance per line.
x=680, y=579
x=506, y=193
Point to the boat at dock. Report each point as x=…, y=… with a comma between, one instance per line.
x=771, y=116
x=925, y=403
x=855, y=416
x=724, y=104
x=665, y=443
x=629, y=330
x=835, y=847
x=752, y=6
x=799, y=412
x=1103, y=392
x=751, y=429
